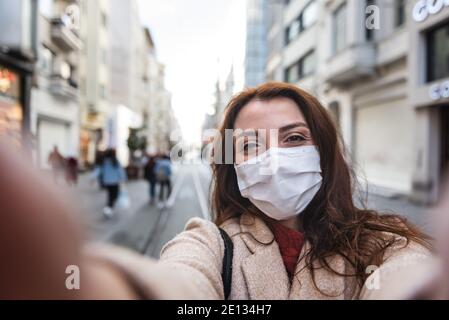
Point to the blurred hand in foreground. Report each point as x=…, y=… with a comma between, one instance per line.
x=39, y=239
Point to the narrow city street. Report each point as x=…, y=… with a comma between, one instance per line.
x=146, y=228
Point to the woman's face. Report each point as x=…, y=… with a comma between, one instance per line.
x=261, y=125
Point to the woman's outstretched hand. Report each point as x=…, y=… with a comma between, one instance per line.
x=41, y=241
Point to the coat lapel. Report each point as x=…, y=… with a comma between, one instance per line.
x=267, y=278
x=330, y=285
x=263, y=270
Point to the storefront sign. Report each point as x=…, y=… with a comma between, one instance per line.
x=439, y=91
x=425, y=8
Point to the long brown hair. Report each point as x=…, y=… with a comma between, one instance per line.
x=332, y=223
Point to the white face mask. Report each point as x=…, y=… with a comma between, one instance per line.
x=282, y=181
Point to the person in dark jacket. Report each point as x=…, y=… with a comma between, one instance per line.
x=150, y=176
x=71, y=171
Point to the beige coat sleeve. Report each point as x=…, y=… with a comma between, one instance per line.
x=405, y=270
x=189, y=268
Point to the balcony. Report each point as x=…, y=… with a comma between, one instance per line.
x=64, y=37
x=353, y=63
x=63, y=88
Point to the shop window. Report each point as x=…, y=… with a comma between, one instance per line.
x=291, y=74
x=9, y=83
x=46, y=60
x=292, y=31
x=103, y=91
x=334, y=109
x=309, y=15
x=339, y=28
x=11, y=112
x=438, y=53
x=301, y=69
x=304, y=21
x=399, y=13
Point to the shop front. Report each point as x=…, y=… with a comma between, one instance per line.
x=90, y=146
x=11, y=108
x=429, y=70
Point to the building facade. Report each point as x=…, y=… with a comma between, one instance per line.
x=429, y=95
x=256, y=46
x=380, y=67
x=18, y=51
x=223, y=95
x=126, y=74
x=275, y=41
x=54, y=96
x=94, y=79
x=161, y=121
x=126, y=46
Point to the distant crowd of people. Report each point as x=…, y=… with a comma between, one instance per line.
x=110, y=174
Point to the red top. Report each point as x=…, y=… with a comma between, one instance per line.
x=290, y=244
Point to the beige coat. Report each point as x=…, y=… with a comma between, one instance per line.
x=190, y=267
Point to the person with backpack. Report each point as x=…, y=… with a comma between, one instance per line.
x=163, y=171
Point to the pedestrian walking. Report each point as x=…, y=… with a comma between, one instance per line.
x=99, y=156
x=150, y=176
x=112, y=175
x=57, y=163
x=163, y=172
x=71, y=171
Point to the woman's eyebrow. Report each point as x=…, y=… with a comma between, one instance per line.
x=255, y=132
x=246, y=133
x=292, y=126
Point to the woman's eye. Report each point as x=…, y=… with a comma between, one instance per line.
x=295, y=138
x=249, y=146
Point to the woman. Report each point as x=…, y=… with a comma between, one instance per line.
x=286, y=203
x=295, y=229
x=111, y=174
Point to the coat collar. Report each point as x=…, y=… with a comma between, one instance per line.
x=265, y=272
x=255, y=232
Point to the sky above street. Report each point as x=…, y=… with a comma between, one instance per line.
x=198, y=41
